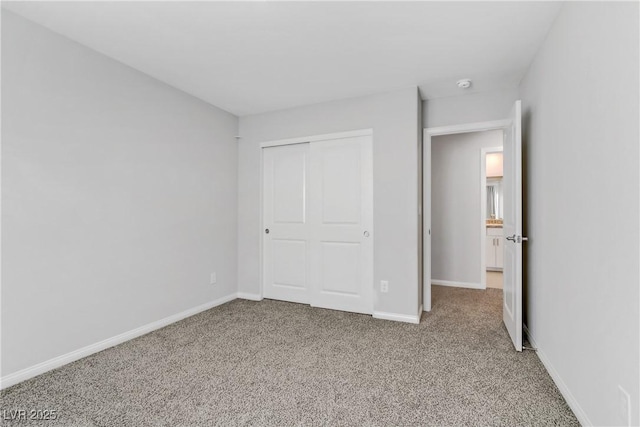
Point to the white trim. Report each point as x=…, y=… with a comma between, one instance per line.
x=428, y=133
x=396, y=317
x=580, y=414
x=467, y=127
x=261, y=229
x=316, y=138
x=426, y=211
x=483, y=211
x=64, y=359
x=249, y=296
x=468, y=285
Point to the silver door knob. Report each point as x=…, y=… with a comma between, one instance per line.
x=366, y=234
x=266, y=230
x=512, y=238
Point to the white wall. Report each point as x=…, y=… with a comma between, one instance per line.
x=580, y=102
x=456, y=205
x=118, y=195
x=471, y=108
x=394, y=120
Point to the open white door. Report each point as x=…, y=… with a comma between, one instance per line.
x=426, y=222
x=512, y=227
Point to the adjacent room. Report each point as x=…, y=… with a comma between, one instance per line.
x=467, y=210
x=303, y=213
x=493, y=214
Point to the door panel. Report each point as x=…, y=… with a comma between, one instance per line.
x=289, y=263
x=341, y=215
x=340, y=268
x=285, y=246
x=341, y=184
x=288, y=186
x=512, y=228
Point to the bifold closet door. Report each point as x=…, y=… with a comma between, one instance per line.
x=285, y=217
x=341, y=218
x=318, y=219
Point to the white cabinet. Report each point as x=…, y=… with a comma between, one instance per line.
x=494, y=248
x=499, y=252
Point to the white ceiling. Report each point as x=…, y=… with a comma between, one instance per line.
x=252, y=57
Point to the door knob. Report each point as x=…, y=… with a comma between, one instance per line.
x=266, y=231
x=512, y=238
x=366, y=234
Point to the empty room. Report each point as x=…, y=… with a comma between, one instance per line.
x=267, y=213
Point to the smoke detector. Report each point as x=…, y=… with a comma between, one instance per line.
x=464, y=83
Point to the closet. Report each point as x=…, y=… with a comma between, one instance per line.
x=318, y=222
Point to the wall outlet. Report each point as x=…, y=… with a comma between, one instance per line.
x=214, y=279
x=624, y=406
x=384, y=286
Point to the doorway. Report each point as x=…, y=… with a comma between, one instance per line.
x=459, y=190
x=492, y=208
x=512, y=221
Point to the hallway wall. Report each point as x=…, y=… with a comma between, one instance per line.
x=469, y=108
x=456, y=245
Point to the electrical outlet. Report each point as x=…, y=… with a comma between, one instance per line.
x=624, y=406
x=214, y=279
x=384, y=286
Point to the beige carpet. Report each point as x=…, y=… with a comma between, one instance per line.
x=282, y=364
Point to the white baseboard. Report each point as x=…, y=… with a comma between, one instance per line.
x=564, y=389
x=468, y=285
x=249, y=296
x=396, y=317
x=56, y=362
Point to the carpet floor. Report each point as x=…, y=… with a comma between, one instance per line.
x=283, y=364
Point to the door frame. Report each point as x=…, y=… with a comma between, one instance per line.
x=428, y=133
x=291, y=141
x=483, y=211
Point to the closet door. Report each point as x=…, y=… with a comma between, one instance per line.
x=286, y=225
x=341, y=224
